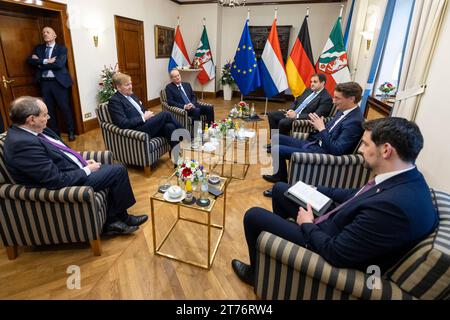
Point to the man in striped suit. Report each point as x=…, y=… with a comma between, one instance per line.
x=375, y=225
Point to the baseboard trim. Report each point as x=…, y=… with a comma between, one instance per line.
x=206, y=95
x=153, y=103
x=90, y=125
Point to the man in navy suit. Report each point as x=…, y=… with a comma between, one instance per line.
x=52, y=75
x=338, y=137
x=127, y=112
x=314, y=99
x=36, y=157
x=181, y=95
x=375, y=225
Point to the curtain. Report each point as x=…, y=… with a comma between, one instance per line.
x=422, y=39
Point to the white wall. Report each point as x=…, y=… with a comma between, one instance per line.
x=321, y=21
x=434, y=115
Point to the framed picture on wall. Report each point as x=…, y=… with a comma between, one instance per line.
x=164, y=37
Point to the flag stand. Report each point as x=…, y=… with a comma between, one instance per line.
x=265, y=108
x=203, y=87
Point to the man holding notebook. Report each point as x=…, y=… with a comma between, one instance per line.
x=374, y=225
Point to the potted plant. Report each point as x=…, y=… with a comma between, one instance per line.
x=227, y=81
x=107, y=89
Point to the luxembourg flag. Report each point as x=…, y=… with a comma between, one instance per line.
x=179, y=57
x=273, y=73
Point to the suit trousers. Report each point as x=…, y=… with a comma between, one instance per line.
x=283, y=151
x=161, y=125
x=257, y=220
x=208, y=111
x=55, y=95
x=120, y=196
x=278, y=120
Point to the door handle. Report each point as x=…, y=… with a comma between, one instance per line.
x=6, y=82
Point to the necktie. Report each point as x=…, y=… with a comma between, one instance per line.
x=64, y=148
x=337, y=118
x=305, y=103
x=183, y=95
x=367, y=187
x=46, y=56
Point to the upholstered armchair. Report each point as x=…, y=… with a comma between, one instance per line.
x=130, y=146
x=180, y=114
x=285, y=270
x=39, y=216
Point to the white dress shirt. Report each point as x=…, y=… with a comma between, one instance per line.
x=50, y=73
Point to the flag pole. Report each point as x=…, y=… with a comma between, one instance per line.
x=342, y=11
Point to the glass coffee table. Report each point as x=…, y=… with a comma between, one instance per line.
x=211, y=252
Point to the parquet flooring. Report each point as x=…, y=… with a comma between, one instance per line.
x=127, y=268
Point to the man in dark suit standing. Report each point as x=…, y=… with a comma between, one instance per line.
x=314, y=99
x=36, y=157
x=181, y=95
x=127, y=112
x=54, y=78
x=375, y=225
x=338, y=137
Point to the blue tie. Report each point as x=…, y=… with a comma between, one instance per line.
x=183, y=95
x=305, y=103
x=46, y=56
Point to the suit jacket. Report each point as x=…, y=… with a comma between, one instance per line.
x=344, y=137
x=174, y=97
x=377, y=227
x=123, y=113
x=58, y=67
x=35, y=163
x=322, y=104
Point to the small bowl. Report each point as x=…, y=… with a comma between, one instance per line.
x=175, y=192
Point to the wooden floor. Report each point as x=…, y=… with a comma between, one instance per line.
x=127, y=268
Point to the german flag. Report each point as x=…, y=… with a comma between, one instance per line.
x=300, y=65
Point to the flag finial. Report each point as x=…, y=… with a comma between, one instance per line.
x=248, y=14
x=178, y=21
x=204, y=21
x=342, y=10
x=307, y=12
x=276, y=13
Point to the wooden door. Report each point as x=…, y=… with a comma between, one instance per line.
x=18, y=35
x=131, y=53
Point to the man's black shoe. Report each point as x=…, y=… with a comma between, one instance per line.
x=271, y=178
x=119, y=227
x=244, y=272
x=268, y=193
x=268, y=146
x=71, y=136
x=136, y=220
x=269, y=150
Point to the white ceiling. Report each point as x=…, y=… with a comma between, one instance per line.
x=248, y=1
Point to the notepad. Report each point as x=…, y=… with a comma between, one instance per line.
x=301, y=193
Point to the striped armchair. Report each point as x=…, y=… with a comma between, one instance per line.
x=304, y=126
x=39, y=216
x=180, y=114
x=130, y=146
x=287, y=271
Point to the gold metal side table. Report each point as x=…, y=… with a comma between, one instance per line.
x=223, y=185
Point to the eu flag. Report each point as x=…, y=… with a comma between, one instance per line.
x=245, y=67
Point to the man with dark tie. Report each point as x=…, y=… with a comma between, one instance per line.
x=128, y=112
x=181, y=95
x=52, y=75
x=36, y=157
x=375, y=225
x=314, y=99
x=338, y=137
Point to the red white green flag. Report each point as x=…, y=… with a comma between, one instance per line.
x=203, y=58
x=333, y=61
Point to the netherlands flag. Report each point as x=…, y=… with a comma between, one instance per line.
x=179, y=57
x=273, y=73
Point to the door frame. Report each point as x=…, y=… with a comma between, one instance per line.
x=121, y=59
x=61, y=10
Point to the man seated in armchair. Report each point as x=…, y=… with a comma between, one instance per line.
x=338, y=137
x=314, y=99
x=36, y=157
x=127, y=112
x=375, y=225
x=181, y=95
